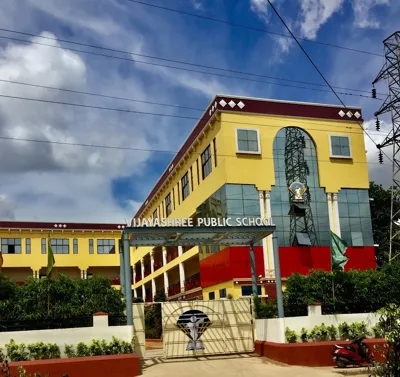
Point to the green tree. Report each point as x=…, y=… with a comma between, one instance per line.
x=380, y=215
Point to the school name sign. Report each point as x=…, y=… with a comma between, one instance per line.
x=206, y=222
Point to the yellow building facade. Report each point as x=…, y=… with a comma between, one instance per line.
x=238, y=145
x=80, y=250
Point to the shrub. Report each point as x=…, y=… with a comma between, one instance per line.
x=344, y=330
x=42, y=351
x=358, y=329
x=70, y=351
x=319, y=333
x=332, y=332
x=82, y=350
x=304, y=335
x=378, y=331
x=290, y=335
x=2, y=356
x=17, y=352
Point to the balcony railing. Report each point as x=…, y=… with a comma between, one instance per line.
x=174, y=289
x=192, y=282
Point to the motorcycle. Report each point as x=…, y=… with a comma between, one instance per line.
x=358, y=353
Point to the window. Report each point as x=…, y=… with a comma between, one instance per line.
x=206, y=165
x=215, y=151
x=247, y=290
x=91, y=250
x=198, y=172
x=155, y=214
x=340, y=146
x=75, y=246
x=185, y=186
x=168, y=208
x=28, y=245
x=247, y=141
x=211, y=296
x=106, y=246
x=60, y=245
x=11, y=245
x=222, y=293
x=191, y=178
x=43, y=245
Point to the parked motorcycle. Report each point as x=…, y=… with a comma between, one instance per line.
x=357, y=353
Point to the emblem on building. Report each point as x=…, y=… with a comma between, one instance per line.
x=193, y=324
x=298, y=189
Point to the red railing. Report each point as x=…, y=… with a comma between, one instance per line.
x=192, y=282
x=174, y=289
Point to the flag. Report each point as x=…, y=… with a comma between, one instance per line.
x=339, y=247
x=50, y=259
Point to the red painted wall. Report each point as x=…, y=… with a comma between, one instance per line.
x=234, y=262
x=227, y=264
x=304, y=259
x=360, y=258
x=311, y=354
x=94, y=366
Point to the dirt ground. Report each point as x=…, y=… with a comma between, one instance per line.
x=229, y=366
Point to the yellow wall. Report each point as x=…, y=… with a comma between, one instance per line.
x=334, y=173
x=83, y=260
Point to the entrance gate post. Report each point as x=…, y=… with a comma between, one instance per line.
x=253, y=271
x=278, y=281
x=128, y=278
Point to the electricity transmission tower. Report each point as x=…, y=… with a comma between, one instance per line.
x=302, y=229
x=391, y=72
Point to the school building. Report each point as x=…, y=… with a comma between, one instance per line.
x=303, y=165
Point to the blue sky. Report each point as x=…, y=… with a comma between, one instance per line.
x=68, y=183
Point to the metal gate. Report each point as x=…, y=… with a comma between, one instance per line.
x=196, y=328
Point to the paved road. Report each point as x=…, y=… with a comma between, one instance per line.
x=235, y=366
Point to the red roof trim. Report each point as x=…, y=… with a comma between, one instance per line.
x=255, y=106
x=59, y=225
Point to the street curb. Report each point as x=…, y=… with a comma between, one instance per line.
x=354, y=372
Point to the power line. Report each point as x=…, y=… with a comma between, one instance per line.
x=183, y=69
x=141, y=149
x=99, y=95
x=143, y=112
x=179, y=61
x=251, y=27
x=319, y=72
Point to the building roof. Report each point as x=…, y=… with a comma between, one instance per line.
x=59, y=225
x=249, y=105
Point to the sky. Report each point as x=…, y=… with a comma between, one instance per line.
x=55, y=182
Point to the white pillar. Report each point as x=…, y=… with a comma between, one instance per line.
x=180, y=251
x=182, y=276
x=269, y=243
x=82, y=274
x=134, y=292
x=330, y=213
x=264, y=241
x=144, y=292
x=164, y=256
x=166, y=283
x=336, y=214
x=152, y=262
x=142, y=267
x=153, y=288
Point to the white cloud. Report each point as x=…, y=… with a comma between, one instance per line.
x=260, y=7
x=316, y=13
x=362, y=13
x=6, y=208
